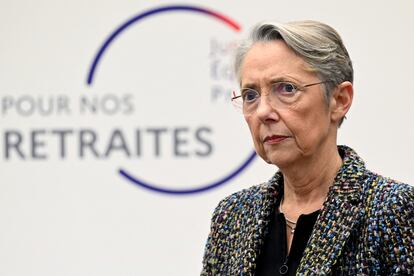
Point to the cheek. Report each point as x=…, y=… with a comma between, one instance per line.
x=308, y=127
x=254, y=127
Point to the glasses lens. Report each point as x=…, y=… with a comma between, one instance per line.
x=284, y=93
x=249, y=96
x=284, y=88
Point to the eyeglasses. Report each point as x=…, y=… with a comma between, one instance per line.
x=282, y=95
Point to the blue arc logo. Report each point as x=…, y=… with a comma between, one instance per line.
x=91, y=74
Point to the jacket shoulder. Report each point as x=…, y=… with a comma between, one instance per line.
x=388, y=198
x=391, y=220
x=234, y=219
x=388, y=192
x=243, y=197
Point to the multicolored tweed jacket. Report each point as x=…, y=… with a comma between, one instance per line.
x=366, y=227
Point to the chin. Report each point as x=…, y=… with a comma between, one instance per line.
x=279, y=160
x=269, y=159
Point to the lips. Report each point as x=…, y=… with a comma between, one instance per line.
x=274, y=139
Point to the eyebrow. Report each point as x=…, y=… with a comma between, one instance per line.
x=249, y=86
x=269, y=82
x=283, y=79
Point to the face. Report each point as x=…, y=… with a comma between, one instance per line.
x=286, y=136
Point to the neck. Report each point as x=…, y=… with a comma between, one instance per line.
x=306, y=185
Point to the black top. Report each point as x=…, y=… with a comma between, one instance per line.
x=273, y=259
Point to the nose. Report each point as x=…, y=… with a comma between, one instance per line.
x=266, y=110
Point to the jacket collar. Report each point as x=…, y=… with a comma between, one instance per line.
x=338, y=216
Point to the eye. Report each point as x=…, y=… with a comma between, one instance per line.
x=249, y=95
x=286, y=88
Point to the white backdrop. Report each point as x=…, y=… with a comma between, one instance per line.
x=157, y=109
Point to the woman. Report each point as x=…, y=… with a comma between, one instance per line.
x=323, y=212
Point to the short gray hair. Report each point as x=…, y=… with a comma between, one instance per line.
x=317, y=43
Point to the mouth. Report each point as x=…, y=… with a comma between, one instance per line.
x=274, y=139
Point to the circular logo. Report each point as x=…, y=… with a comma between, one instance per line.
x=227, y=21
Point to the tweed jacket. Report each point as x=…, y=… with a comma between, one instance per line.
x=365, y=227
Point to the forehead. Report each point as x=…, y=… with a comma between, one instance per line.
x=267, y=61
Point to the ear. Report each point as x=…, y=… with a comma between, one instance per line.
x=341, y=101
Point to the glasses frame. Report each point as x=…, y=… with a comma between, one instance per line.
x=298, y=87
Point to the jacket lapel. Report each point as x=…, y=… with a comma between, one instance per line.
x=259, y=213
x=339, y=215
